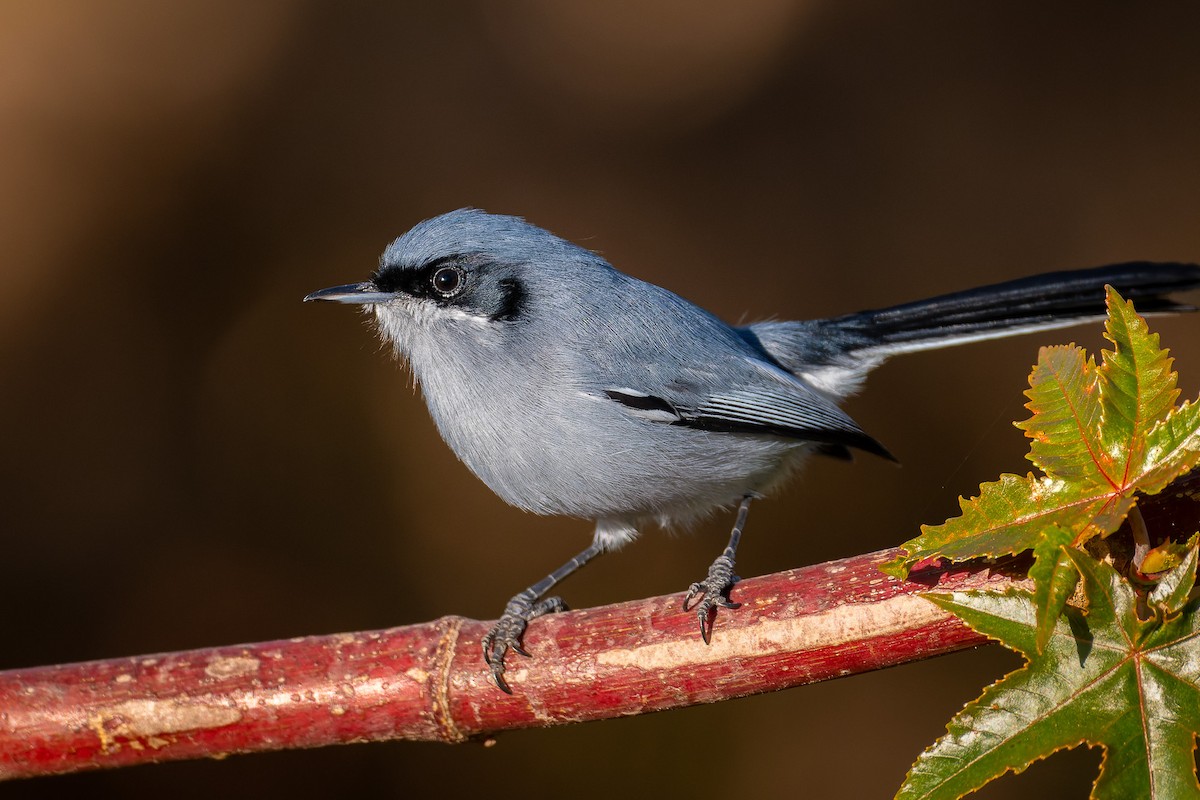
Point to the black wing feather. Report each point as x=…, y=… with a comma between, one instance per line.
x=776, y=413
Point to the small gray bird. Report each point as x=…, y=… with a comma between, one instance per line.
x=571, y=388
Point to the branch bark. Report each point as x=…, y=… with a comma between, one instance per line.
x=428, y=682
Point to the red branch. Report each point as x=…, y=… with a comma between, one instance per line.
x=428, y=682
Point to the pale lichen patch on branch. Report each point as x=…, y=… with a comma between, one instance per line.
x=231, y=666
x=150, y=719
x=841, y=625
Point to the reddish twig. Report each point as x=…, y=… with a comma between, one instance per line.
x=428, y=682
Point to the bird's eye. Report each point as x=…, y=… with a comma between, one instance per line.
x=447, y=281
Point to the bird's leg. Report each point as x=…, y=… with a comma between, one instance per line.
x=715, y=588
x=508, y=631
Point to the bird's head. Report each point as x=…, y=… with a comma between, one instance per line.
x=463, y=278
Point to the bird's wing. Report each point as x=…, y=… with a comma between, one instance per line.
x=773, y=402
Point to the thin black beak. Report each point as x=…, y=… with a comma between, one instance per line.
x=358, y=293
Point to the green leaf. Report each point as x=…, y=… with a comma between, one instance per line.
x=1011, y=514
x=1106, y=678
x=1100, y=435
x=1172, y=448
x=1137, y=389
x=1054, y=578
x=1065, y=400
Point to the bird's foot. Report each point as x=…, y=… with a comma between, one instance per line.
x=509, y=630
x=713, y=592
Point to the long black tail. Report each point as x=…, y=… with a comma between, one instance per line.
x=835, y=354
x=1054, y=299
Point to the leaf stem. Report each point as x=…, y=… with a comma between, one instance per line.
x=1141, y=537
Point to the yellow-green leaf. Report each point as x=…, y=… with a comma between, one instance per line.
x=1100, y=435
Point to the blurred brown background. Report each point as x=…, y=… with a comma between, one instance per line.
x=191, y=457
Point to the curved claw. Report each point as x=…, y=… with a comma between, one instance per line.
x=713, y=594
x=706, y=614
x=498, y=677
x=509, y=630
x=707, y=617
